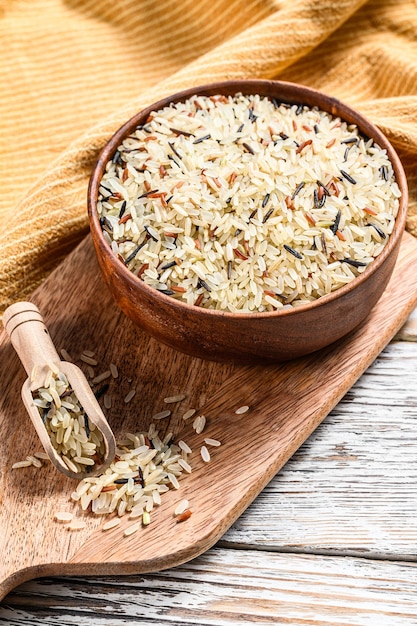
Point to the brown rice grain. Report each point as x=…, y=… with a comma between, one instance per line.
x=184, y=516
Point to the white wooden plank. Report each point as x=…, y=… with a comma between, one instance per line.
x=352, y=487
x=226, y=587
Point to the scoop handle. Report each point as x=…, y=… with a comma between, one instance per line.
x=31, y=340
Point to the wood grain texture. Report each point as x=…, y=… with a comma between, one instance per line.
x=229, y=587
x=351, y=487
x=408, y=332
x=324, y=491
x=287, y=403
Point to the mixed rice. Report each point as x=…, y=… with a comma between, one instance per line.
x=145, y=467
x=74, y=437
x=245, y=204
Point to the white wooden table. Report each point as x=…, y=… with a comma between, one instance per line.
x=331, y=540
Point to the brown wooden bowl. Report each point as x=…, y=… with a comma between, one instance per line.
x=250, y=337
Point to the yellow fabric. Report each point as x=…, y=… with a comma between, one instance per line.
x=71, y=71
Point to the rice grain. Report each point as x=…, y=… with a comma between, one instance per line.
x=242, y=409
x=181, y=507
x=77, y=525
x=88, y=360
x=129, y=396
x=75, y=439
x=205, y=454
x=114, y=371
x=161, y=415
x=212, y=442
x=63, y=516
x=199, y=424
x=177, y=398
x=111, y=523
x=65, y=355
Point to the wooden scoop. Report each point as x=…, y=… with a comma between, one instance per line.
x=32, y=342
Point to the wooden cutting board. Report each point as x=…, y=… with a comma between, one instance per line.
x=287, y=402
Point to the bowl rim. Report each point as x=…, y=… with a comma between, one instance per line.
x=298, y=94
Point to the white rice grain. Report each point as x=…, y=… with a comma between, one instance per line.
x=181, y=507
x=212, y=442
x=20, y=464
x=77, y=525
x=242, y=409
x=199, y=424
x=205, y=454
x=184, y=446
x=115, y=521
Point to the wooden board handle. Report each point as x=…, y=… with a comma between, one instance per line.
x=31, y=340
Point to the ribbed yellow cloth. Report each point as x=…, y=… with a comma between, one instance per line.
x=71, y=71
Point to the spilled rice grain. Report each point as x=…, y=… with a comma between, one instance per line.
x=181, y=507
x=188, y=414
x=205, y=454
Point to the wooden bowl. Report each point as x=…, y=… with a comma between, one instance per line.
x=249, y=337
